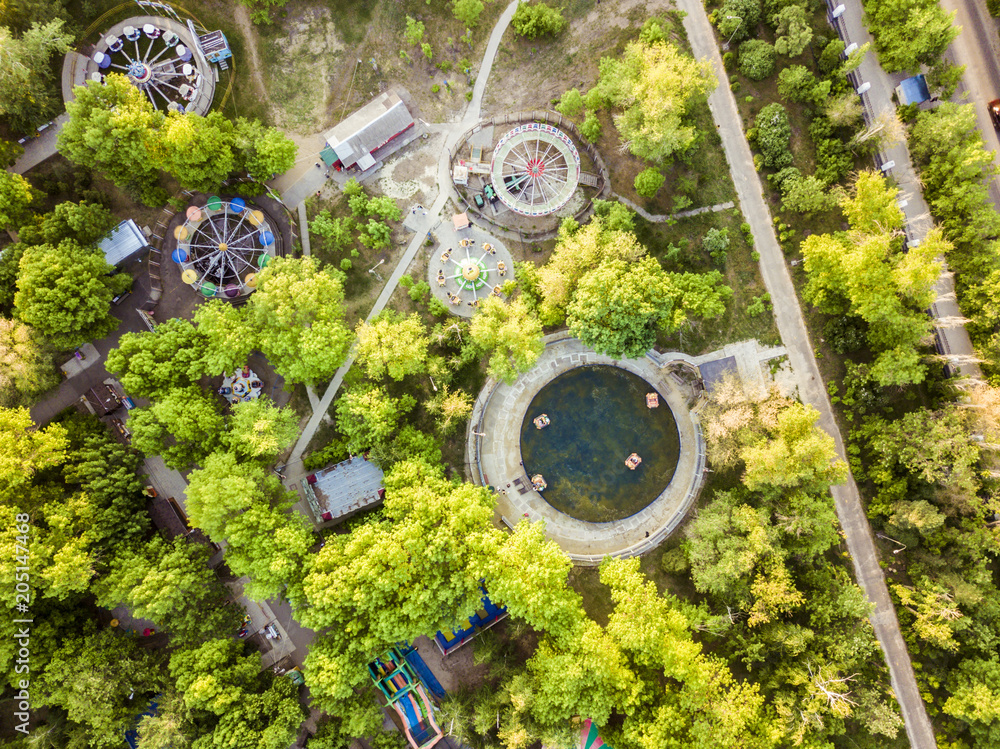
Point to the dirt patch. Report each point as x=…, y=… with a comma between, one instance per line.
x=412, y=175
x=242, y=17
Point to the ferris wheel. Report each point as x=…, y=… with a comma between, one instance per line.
x=222, y=246
x=535, y=169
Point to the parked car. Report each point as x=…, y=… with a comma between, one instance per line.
x=994, y=107
x=478, y=200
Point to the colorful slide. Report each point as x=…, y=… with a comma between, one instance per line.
x=421, y=729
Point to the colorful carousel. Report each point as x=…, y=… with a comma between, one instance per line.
x=242, y=385
x=222, y=245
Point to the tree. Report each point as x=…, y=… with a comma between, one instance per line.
x=793, y=32
x=716, y=243
x=85, y=223
x=648, y=182
x=25, y=365
x=738, y=19
x=223, y=488
x=570, y=103
x=25, y=450
x=866, y=274
x=227, y=336
x=260, y=151
x=172, y=585
x=150, y=364
x=182, y=426
x=27, y=94
x=338, y=232
x=806, y=195
x=591, y=127
x=975, y=695
x=98, y=679
x=299, y=313
x=392, y=345
x=510, y=335
x=367, y=415
x=908, y=34
x=619, y=307
x=797, y=83
x=196, y=150
x=414, y=31
x=65, y=293
x=532, y=20
x=362, y=582
x=450, y=407
x=467, y=11
x=259, y=430
x=756, y=59
x=654, y=86
x=109, y=130
x=16, y=197
x=774, y=135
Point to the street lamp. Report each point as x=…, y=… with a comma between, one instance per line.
x=898, y=543
x=729, y=18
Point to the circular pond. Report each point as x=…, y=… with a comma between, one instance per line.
x=598, y=417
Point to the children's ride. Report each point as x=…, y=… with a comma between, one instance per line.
x=398, y=683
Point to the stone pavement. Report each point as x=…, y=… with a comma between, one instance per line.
x=795, y=336
x=493, y=456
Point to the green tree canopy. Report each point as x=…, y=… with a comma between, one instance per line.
x=510, y=335
x=196, y=150
x=228, y=337
x=532, y=20
x=367, y=415
x=262, y=151
x=653, y=87
x=27, y=94
x=299, y=313
x=85, y=223
x=182, y=426
x=65, y=293
x=172, y=585
x=26, y=367
x=16, y=197
x=392, y=345
x=150, y=364
x=25, y=449
x=259, y=430
x=648, y=182
x=909, y=33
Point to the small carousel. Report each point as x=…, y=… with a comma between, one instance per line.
x=241, y=386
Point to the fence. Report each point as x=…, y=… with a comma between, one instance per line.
x=552, y=118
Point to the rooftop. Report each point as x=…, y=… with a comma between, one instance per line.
x=344, y=488
x=372, y=126
x=122, y=242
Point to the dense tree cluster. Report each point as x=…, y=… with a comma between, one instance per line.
x=113, y=128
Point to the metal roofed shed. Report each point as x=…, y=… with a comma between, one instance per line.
x=368, y=129
x=123, y=242
x=343, y=489
x=913, y=90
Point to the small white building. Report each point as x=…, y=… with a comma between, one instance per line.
x=460, y=174
x=365, y=131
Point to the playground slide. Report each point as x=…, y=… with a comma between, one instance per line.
x=430, y=713
x=416, y=732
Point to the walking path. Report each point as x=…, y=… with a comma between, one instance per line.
x=659, y=218
x=795, y=336
x=295, y=471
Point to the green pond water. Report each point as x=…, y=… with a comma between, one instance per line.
x=598, y=418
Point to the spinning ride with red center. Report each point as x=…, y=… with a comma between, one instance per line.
x=535, y=169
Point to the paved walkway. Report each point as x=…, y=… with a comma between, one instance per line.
x=295, y=471
x=659, y=218
x=795, y=336
x=493, y=454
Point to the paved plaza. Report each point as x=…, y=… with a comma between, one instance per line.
x=483, y=257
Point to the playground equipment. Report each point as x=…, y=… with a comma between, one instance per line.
x=398, y=683
x=450, y=641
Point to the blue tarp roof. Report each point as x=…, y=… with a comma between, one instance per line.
x=913, y=90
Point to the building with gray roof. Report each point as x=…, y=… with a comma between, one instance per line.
x=371, y=127
x=123, y=242
x=343, y=489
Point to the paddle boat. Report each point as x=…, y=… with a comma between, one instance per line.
x=652, y=400
x=538, y=482
x=633, y=461
x=542, y=421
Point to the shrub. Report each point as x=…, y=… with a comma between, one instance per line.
x=435, y=88
x=829, y=59
x=591, y=127
x=774, y=136
x=570, y=104
x=335, y=452
x=845, y=333
x=467, y=11
x=437, y=307
x=729, y=60
x=648, y=182
x=346, y=264
x=419, y=291
x=532, y=20
x=756, y=59
x=716, y=243
x=468, y=95
x=427, y=50
x=414, y=31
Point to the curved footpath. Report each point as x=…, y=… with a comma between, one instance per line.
x=795, y=337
